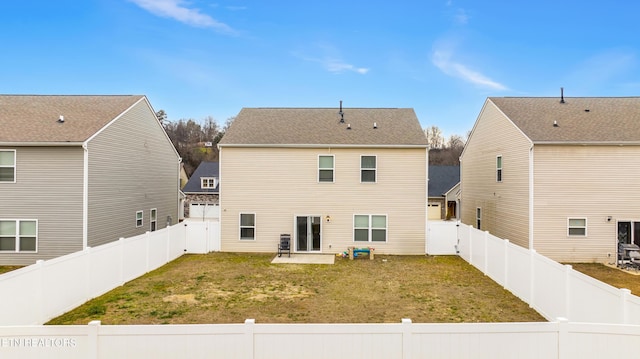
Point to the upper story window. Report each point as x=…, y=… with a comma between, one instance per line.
x=499, y=169
x=577, y=227
x=139, y=218
x=368, y=168
x=325, y=168
x=208, y=182
x=18, y=235
x=7, y=166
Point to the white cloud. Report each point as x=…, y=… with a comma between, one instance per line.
x=178, y=10
x=442, y=60
x=332, y=62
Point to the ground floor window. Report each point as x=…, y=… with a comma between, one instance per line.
x=577, y=227
x=247, y=226
x=369, y=228
x=18, y=235
x=479, y=218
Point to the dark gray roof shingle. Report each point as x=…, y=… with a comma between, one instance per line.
x=442, y=179
x=34, y=118
x=205, y=169
x=579, y=119
x=321, y=126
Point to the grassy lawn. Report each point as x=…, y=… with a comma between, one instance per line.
x=612, y=276
x=230, y=287
x=5, y=269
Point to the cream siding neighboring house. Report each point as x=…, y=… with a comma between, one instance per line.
x=569, y=179
x=84, y=166
x=305, y=173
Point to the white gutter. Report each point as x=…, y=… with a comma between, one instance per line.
x=41, y=144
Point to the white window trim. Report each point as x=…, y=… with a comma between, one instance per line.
x=141, y=219
x=499, y=169
x=333, y=169
x=240, y=226
x=17, y=234
x=204, y=182
x=375, y=169
x=370, y=228
x=153, y=220
x=585, y=226
x=15, y=165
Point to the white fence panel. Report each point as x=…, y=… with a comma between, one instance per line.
x=552, y=289
x=441, y=237
x=555, y=340
x=37, y=293
x=65, y=283
x=21, y=296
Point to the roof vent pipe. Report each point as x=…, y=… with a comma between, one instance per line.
x=348, y=126
x=561, y=94
x=61, y=119
x=375, y=125
x=341, y=113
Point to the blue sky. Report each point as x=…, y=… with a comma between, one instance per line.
x=195, y=58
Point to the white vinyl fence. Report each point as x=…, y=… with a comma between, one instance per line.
x=546, y=340
x=37, y=293
x=552, y=289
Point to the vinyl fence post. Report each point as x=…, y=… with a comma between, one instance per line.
x=505, y=284
x=564, y=351
x=567, y=291
x=532, y=278
x=624, y=305
x=92, y=339
x=249, y=338
x=485, y=266
x=406, y=338
x=122, y=276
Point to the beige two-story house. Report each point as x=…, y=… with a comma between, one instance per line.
x=80, y=171
x=331, y=178
x=558, y=175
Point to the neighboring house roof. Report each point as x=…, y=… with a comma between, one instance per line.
x=322, y=126
x=35, y=118
x=442, y=179
x=578, y=119
x=205, y=169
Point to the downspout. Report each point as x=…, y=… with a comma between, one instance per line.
x=531, y=239
x=85, y=197
x=426, y=202
x=180, y=204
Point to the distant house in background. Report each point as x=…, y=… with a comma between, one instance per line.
x=330, y=178
x=80, y=171
x=558, y=175
x=444, y=191
x=184, y=178
x=202, y=192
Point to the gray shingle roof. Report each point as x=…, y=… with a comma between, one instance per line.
x=442, y=179
x=321, y=126
x=205, y=169
x=34, y=118
x=579, y=119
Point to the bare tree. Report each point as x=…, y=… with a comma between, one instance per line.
x=434, y=137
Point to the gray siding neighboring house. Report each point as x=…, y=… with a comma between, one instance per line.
x=328, y=183
x=558, y=175
x=80, y=171
x=202, y=192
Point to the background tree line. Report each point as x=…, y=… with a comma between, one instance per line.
x=194, y=141
x=443, y=151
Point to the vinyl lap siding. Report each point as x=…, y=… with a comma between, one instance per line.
x=132, y=167
x=49, y=189
x=591, y=182
x=505, y=205
x=280, y=183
